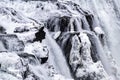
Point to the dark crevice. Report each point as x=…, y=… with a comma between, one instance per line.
x=40, y=35
x=90, y=21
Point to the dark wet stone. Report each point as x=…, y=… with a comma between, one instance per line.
x=2, y=30
x=40, y=35
x=44, y=60
x=59, y=24
x=90, y=20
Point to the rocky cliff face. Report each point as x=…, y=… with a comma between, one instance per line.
x=58, y=40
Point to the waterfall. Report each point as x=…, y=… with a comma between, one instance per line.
x=89, y=23
x=57, y=56
x=81, y=38
x=108, y=13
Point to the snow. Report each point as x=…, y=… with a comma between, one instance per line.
x=60, y=77
x=11, y=63
x=36, y=49
x=56, y=35
x=98, y=30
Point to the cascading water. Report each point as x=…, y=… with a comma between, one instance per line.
x=92, y=26
x=81, y=38
x=108, y=13
x=59, y=62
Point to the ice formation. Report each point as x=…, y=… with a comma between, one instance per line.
x=59, y=39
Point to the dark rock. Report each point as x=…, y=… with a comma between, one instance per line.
x=59, y=23
x=2, y=30
x=90, y=20
x=64, y=21
x=26, y=72
x=40, y=35
x=102, y=39
x=43, y=60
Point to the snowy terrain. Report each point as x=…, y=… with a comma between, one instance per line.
x=59, y=40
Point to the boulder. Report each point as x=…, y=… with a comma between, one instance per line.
x=10, y=42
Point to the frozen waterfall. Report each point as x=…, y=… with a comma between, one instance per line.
x=59, y=39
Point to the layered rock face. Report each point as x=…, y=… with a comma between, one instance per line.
x=54, y=40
